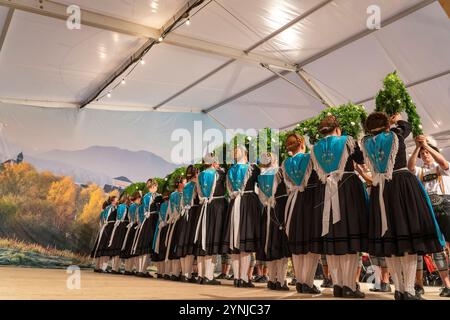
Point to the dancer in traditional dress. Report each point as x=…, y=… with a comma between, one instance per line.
x=127, y=247
x=303, y=216
x=274, y=247
x=213, y=208
x=173, y=216
x=144, y=240
x=343, y=205
x=159, y=247
x=119, y=232
x=99, y=261
x=187, y=224
x=242, y=227
x=402, y=222
x=101, y=249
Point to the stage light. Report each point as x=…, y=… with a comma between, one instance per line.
x=188, y=22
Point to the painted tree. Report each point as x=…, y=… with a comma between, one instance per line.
x=91, y=210
x=62, y=196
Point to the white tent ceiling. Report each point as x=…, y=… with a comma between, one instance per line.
x=202, y=67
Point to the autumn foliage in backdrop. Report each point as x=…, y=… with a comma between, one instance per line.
x=48, y=210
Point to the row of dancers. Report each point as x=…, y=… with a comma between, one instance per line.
x=313, y=204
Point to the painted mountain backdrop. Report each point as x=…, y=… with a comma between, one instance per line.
x=101, y=164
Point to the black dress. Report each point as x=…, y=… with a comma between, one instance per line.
x=161, y=233
x=276, y=238
x=132, y=228
x=187, y=225
x=102, y=248
x=306, y=223
x=215, y=215
x=119, y=233
x=350, y=234
x=411, y=227
x=146, y=232
x=250, y=218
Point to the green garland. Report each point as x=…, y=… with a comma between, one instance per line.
x=394, y=98
x=351, y=118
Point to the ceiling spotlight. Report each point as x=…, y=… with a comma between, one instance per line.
x=188, y=22
x=142, y=61
x=161, y=39
x=123, y=81
x=109, y=95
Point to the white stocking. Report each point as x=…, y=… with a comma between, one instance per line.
x=282, y=265
x=235, y=265
x=297, y=261
x=116, y=263
x=209, y=268
x=244, y=265
x=189, y=265
x=311, y=261
x=409, y=268
x=335, y=269
x=395, y=267
x=349, y=263
x=201, y=266
x=272, y=269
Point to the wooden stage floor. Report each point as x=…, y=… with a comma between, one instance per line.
x=31, y=284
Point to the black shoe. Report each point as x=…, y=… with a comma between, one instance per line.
x=409, y=296
x=399, y=295
x=115, y=272
x=200, y=280
x=239, y=283
x=337, y=292
x=128, y=273
x=349, y=293
x=166, y=277
x=248, y=284
x=270, y=285
x=419, y=290
x=445, y=292
x=221, y=276
x=256, y=278
x=159, y=276
x=148, y=275
x=299, y=287
x=375, y=289
x=280, y=287
x=310, y=290
x=174, y=278
x=139, y=274
x=230, y=277
x=97, y=270
x=293, y=282
x=183, y=279
x=327, y=283
x=195, y=274
x=385, y=287
x=192, y=280
x=262, y=279
x=212, y=282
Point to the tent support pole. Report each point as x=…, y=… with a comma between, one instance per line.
x=9, y=17
x=316, y=94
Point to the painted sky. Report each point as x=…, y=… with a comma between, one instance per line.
x=37, y=130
